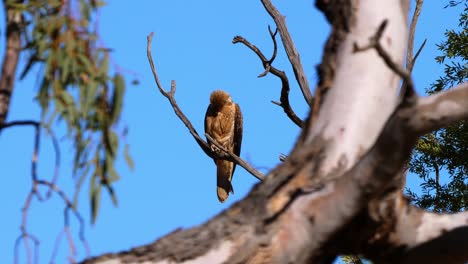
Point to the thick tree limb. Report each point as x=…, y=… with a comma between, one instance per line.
x=441, y=109
x=284, y=98
x=432, y=238
x=228, y=155
x=14, y=22
x=291, y=51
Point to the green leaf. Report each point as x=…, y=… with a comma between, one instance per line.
x=111, y=143
x=128, y=157
x=112, y=194
x=65, y=69
x=112, y=175
x=104, y=65
x=117, y=98
x=43, y=95
x=95, y=199
x=79, y=183
x=85, y=63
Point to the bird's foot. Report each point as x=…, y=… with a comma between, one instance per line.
x=215, y=149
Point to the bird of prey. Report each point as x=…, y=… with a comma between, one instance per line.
x=223, y=123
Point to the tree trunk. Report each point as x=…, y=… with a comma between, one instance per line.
x=339, y=191
x=10, y=58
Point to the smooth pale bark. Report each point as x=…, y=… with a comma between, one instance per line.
x=364, y=91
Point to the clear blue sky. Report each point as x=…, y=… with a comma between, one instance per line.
x=173, y=184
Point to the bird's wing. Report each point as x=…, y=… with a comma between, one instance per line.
x=208, y=119
x=238, y=129
x=207, y=116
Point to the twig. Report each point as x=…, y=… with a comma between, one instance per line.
x=203, y=144
x=238, y=160
x=52, y=187
x=56, y=246
x=410, y=60
x=68, y=206
x=291, y=51
x=284, y=98
x=409, y=57
x=57, y=159
x=374, y=42
x=267, y=64
x=25, y=236
x=437, y=176
x=36, y=125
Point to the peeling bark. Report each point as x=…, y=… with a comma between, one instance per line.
x=340, y=190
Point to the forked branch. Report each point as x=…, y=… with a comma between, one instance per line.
x=291, y=51
x=284, y=98
x=410, y=60
x=228, y=155
x=374, y=42
x=25, y=236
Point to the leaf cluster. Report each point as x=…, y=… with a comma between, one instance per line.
x=77, y=86
x=445, y=152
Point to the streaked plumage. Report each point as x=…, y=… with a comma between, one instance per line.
x=223, y=122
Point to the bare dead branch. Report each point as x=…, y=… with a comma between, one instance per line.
x=57, y=159
x=410, y=60
x=203, y=144
x=267, y=64
x=275, y=44
x=374, y=42
x=56, y=246
x=51, y=188
x=36, y=125
x=25, y=236
x=409, y=57
x=417, y=53
x=284, y=98
x=291, y=51
x=28, y=251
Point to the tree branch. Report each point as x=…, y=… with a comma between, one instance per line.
x=427, y=237
x=284, y=98
x=228, y=155
x=441, y=109
x=410, y=60
x=25, y=236
x=374, y=42
x=237, y=160
x=291, y=51
x=14, y=22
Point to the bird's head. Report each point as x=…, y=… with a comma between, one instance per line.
x=219, y=98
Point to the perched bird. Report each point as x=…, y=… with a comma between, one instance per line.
x=223, y=122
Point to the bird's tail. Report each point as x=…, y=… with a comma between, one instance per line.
x=224, y=175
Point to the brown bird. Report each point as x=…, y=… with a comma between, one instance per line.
x=223, y=122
